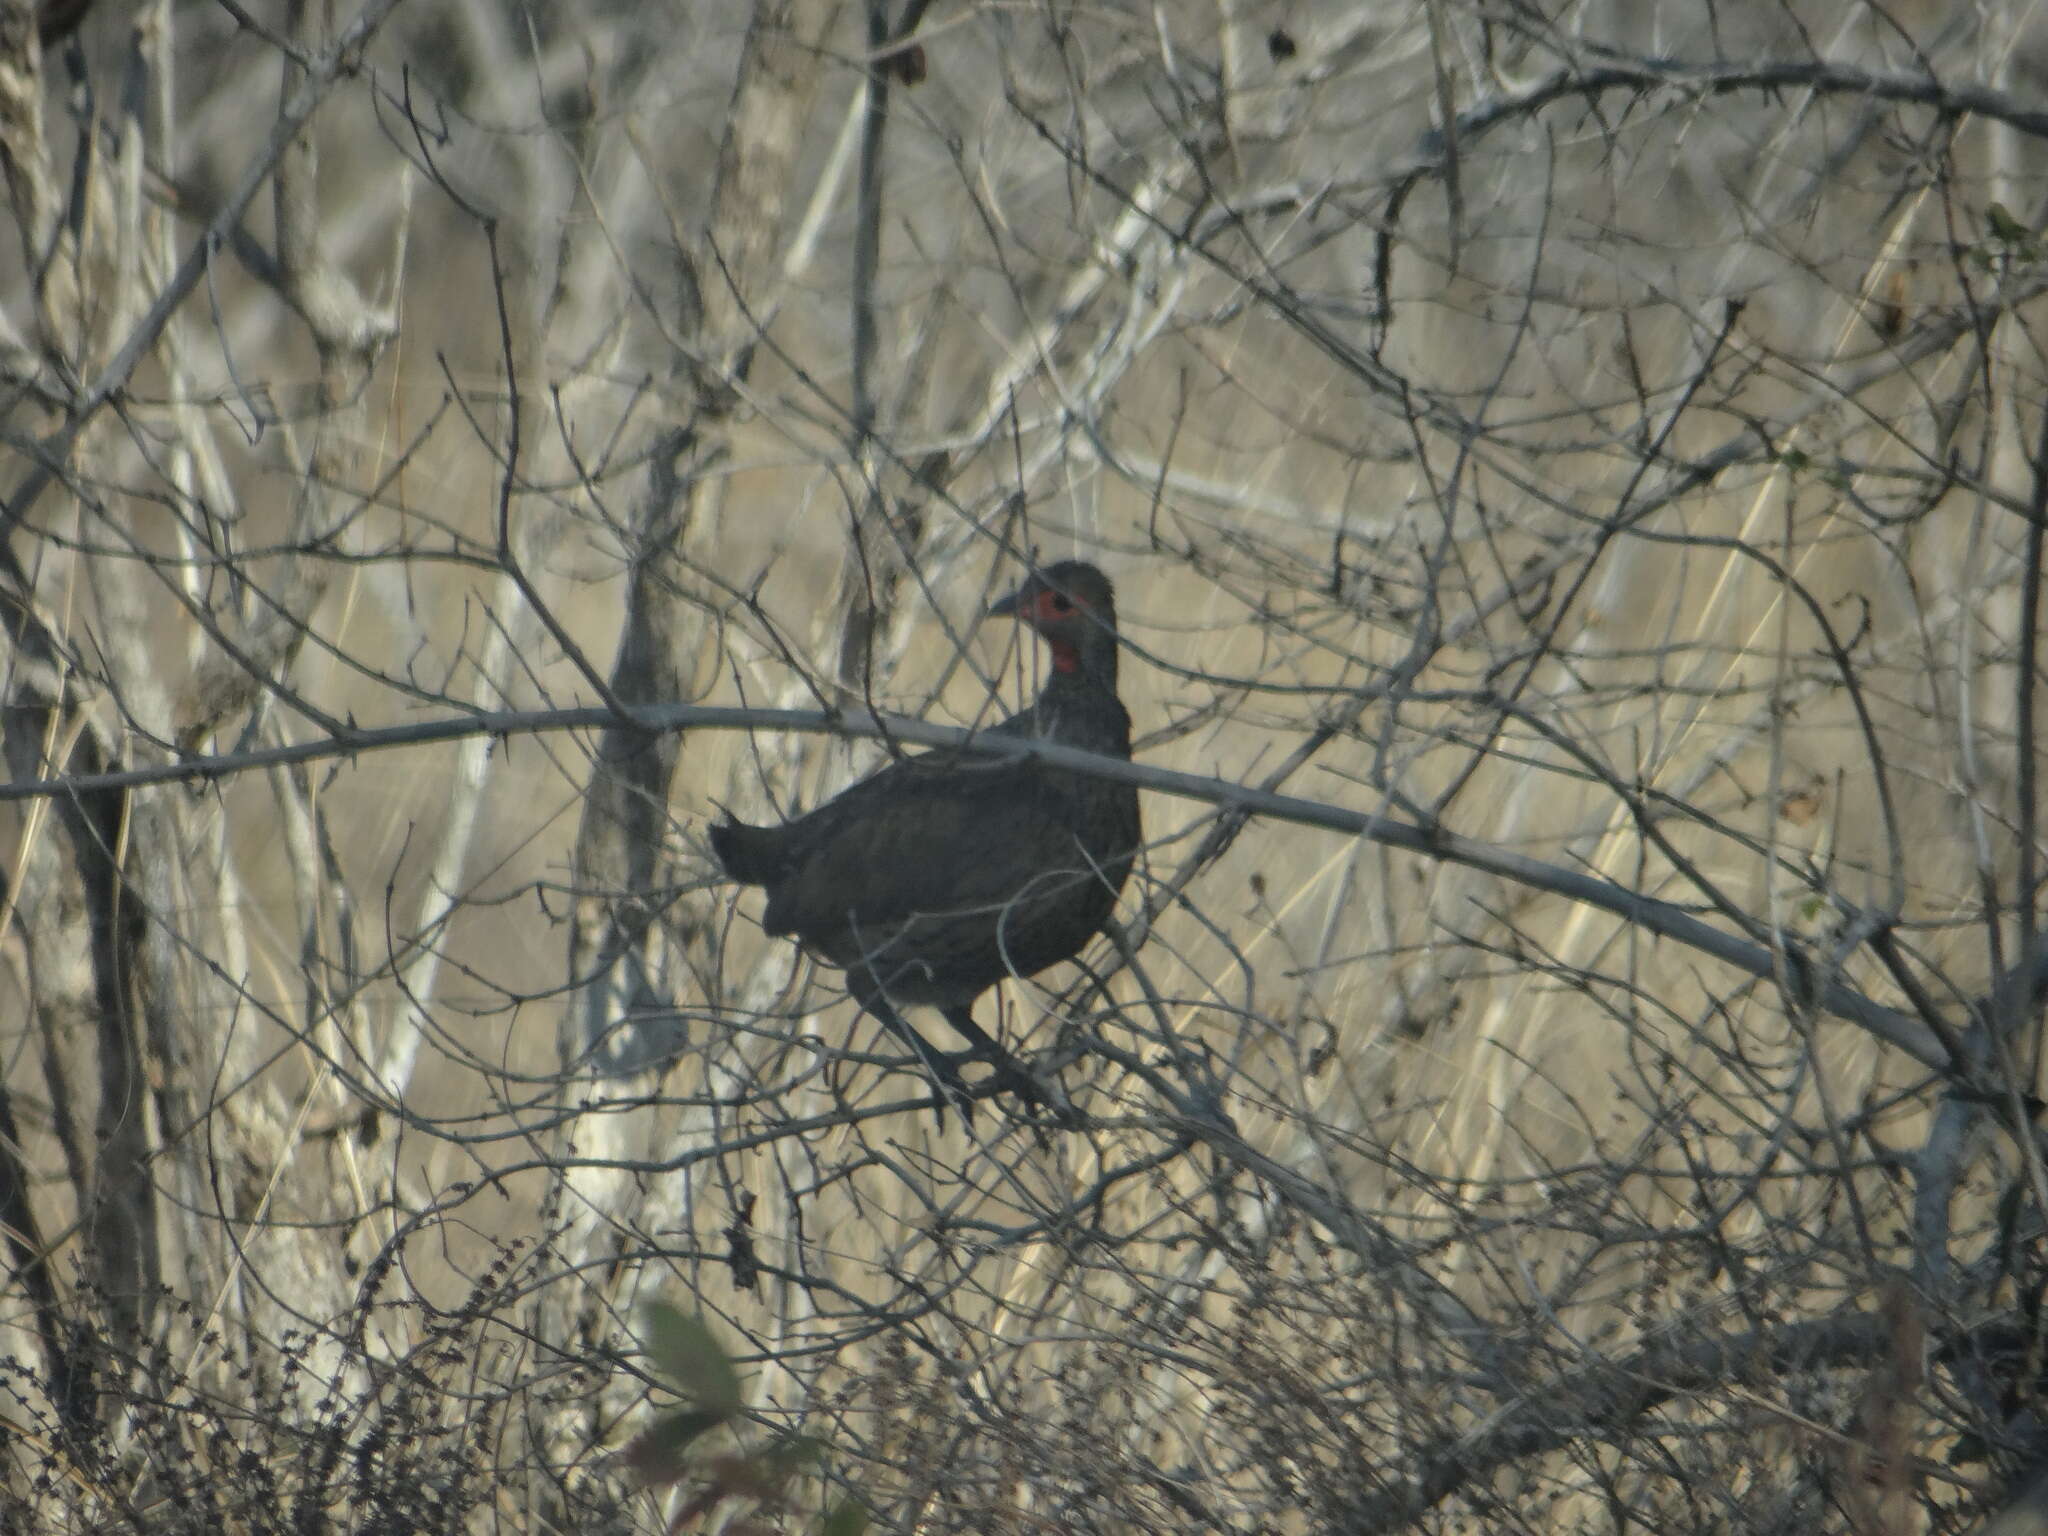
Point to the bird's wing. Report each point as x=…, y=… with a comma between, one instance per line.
x=936, y=843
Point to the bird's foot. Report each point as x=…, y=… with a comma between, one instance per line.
x=949, y=1088
x=1040, y=1097
x=1007, y=1074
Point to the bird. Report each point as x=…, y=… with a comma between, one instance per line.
x=933, y=879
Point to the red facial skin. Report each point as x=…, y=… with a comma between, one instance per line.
x=1052, y=614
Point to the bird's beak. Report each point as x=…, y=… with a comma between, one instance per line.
x=1004, y=607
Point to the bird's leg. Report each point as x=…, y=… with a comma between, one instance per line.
x=985, y=1046
x=1011, y=1075
x=943, y=1069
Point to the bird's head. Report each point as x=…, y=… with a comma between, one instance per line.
x=1073, y=607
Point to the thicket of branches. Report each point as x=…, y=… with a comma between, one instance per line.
x=1576, y=477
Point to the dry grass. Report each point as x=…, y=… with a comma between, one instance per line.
x=1401, y=1192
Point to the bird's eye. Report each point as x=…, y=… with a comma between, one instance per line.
x=1060, y=604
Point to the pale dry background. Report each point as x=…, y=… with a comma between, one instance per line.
x=1681, y=427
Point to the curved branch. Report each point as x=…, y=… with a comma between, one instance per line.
x=1663, y=918
x=1710, y=78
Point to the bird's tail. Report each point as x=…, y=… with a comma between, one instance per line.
x=751, y=855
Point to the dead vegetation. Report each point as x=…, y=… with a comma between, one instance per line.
x=1576, y=482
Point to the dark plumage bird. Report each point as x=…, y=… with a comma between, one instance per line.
x=932, y=880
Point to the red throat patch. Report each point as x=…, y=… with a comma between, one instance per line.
x=1064, y=657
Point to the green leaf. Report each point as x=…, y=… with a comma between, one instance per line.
x=685, y=1352
x=2004, y=225
x=768, y=1475
x=655, y=1457
x=797, y=1452
x=849, y=1519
